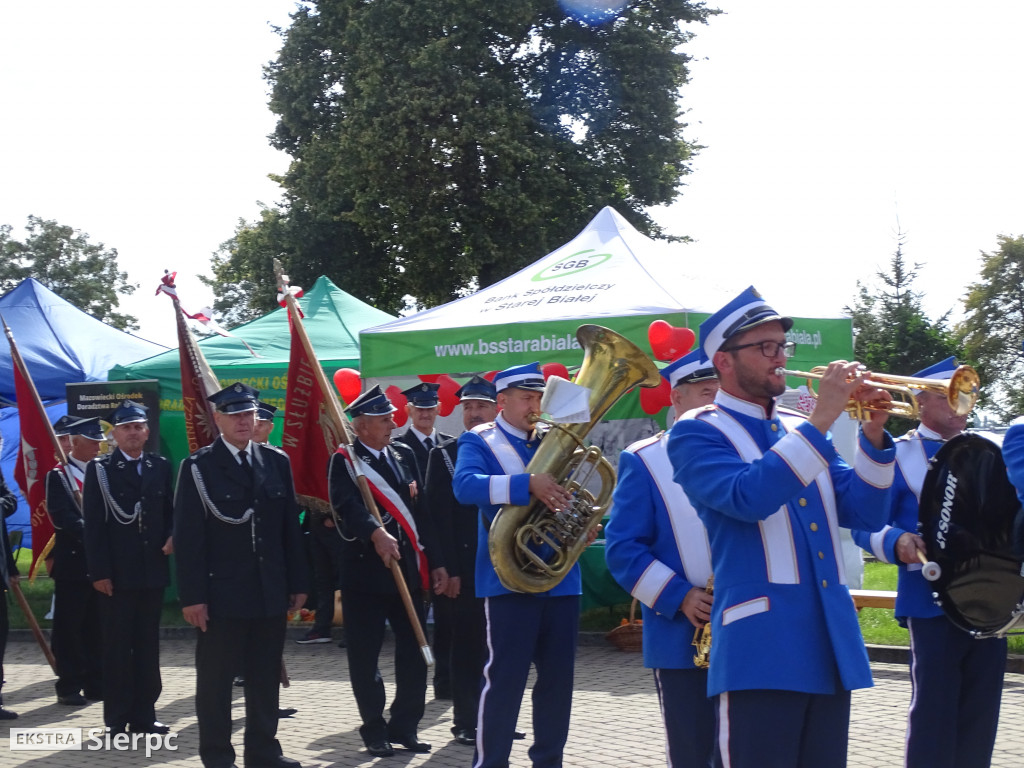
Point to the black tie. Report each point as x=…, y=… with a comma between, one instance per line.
x=385, y=471
x=244, y=457
x=428, y=443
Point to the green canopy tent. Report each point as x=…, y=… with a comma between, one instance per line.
x=333, y=320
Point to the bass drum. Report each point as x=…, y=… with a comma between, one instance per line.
x=967, y=515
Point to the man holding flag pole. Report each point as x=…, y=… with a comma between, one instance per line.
x=314, y=428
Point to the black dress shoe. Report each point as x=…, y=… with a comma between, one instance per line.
x=6, y=714
x=518, y=734
x=466, y=736
x=380, y=748
x=154, y=727
x=239, y=682
x=412, y=743
x=286, y=712
x=72, y=700
x=92, y=695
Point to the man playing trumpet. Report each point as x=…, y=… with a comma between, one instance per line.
x=657, y=549
x=772, y=492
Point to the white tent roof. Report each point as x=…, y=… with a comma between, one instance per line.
x=608, y=270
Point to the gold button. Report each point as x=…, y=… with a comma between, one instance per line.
x=824, y=582
x=775, y=427
x=803, y=502
x=821, y=555
x=814, y=526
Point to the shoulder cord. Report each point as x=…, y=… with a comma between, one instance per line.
x=68, y=490
x=385, y=516
x=112, y=506
x=248, y=517
x=448, y=463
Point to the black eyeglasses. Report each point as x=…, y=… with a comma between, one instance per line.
x=768, y=348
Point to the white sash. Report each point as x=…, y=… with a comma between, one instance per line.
x=776, y=530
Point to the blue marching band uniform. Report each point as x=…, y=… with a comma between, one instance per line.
x=956, y=679
x=772, y=492
x=521, y=628
x=657, y=549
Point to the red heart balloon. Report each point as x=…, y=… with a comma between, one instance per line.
x=348, y=383
x=446, y=394
x=554, y=369
x=398, y=400
x=669, y=342
x=430, y=378
x=490, y=376
x=653, y=399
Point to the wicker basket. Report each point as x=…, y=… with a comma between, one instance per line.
x=628, y=637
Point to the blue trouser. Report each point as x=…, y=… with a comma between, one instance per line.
x=523, y=630
x=689, y=717
x=782, y=729
x=957, y=685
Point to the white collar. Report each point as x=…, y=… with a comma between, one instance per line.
x=236, y=451
x=745, y=407
x=516, y=431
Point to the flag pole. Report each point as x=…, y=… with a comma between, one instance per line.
x=342, y=427
x=59, y=452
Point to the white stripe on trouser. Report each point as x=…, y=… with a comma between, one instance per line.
x=723, y=729
x=486, y=686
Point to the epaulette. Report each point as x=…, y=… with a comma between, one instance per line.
x=274, y=448
x=482, y=427
x=694, y=413
x=644, y=442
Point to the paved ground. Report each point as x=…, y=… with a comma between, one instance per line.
x=615, y=716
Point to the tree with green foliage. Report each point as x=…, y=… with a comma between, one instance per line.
x=443, y=145
x=892, y=332
x=993, y=330
x=62, y=258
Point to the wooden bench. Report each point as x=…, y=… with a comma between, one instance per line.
x=873, y=598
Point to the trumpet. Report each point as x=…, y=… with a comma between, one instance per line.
x=960, y=390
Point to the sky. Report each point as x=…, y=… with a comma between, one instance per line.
x=827, y=128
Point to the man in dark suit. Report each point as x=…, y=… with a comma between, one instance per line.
x=8, y=573
x=241, y=568
x=369, y=595
x=457, y=533
x=76, y=613
x=421, y=406
x=126, y=505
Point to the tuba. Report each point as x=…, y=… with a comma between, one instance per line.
x=531, y=547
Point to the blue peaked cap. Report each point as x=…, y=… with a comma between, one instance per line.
x=373, y=402
x=236, y=398
x=688, y=369
x=129, y=412
x=478, y=388
x=746, y=311
x=527, y=376
x=423, y=395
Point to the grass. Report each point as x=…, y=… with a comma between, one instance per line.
x=877, y=624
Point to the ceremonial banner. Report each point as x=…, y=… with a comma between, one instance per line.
x=36, y=454
x=197, y=378
x=310, y=433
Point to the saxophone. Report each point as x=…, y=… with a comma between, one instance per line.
x=533, y=549
x=702, y=635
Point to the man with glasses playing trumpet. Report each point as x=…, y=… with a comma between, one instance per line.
x=771, y=491
x=957, y=679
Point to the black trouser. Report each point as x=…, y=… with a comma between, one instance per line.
x=4, y=626
x=254, y=646
x=76, y=638
x=131, y=656
x=325, y=553
x=468, y=654
x=444, y=627
x=365, y=614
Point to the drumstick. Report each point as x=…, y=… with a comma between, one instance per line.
x=930, y=570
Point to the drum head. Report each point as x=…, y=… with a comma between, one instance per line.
x=967, y=514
